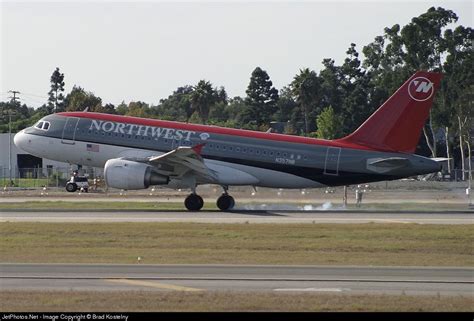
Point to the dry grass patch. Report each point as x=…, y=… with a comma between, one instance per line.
x=344, y=244
x=223, y=301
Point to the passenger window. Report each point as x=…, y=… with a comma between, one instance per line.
x=46, y=126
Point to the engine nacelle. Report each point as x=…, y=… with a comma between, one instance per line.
x=125, y=174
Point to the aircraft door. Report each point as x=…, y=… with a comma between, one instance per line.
x=69, y=131
x=331, y=165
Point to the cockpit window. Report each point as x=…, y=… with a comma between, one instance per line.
x=43, y=125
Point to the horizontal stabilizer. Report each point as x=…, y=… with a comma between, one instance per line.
x=440, y=159
x=383, y=165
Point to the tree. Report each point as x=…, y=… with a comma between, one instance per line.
x=203, y=97
x=355, y=88
x=285, y=105
x=138, y=109
x=78, y=100
x=306, y=90
x=107, y=109
x=261, y=98
x=56, y=98
x=331, y=89
x=420, y=45
x=177, y=106
x=329, y=124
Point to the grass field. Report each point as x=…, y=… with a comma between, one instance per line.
x=28, y=182
x=166, y=205
x=98, y=205
x=338, y=244
x=131, y=301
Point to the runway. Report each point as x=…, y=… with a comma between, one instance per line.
x=241, y=216
x=275, y=278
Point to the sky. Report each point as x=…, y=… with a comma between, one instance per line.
x=124, y=51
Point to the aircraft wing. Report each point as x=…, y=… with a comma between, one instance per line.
x=182, y=160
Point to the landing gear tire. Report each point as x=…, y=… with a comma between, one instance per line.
x=225, y=202
x=71, y=187
x=193, y=202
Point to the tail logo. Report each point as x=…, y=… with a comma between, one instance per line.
x=420, y=89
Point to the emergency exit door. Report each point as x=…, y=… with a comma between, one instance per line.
x=69, y=130
x=331, y=165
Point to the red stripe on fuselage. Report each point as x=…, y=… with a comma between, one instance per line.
x=212, y=129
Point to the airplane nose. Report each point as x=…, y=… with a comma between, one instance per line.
x=20, y=140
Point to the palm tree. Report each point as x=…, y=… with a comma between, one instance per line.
x=203, y=97
x=305, y=89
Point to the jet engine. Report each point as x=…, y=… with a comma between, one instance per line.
x=126, y=174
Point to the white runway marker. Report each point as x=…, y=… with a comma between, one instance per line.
x=312, y=290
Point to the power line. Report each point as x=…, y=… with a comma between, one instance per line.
x=27, y=99
x=34, y=95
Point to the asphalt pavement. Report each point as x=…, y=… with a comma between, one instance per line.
x=276, y=278
x=240, y=216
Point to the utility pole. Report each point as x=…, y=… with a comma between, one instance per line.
x=10, y=113
x=14, y=92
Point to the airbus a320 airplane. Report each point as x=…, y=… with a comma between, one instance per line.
x=137, y=153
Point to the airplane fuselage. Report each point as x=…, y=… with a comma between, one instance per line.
x=239, y=157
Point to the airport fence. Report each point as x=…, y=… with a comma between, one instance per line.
x=42, y=177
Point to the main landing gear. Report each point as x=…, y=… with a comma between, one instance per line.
x=225, y=202
x=195, y=202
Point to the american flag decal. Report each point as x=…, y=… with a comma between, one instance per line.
x=92, y=147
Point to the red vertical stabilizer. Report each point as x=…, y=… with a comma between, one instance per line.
x=397, y=124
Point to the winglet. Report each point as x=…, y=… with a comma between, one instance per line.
x=198, y=148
